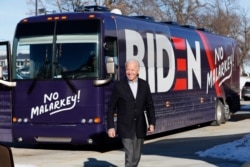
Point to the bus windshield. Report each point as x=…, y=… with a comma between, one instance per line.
x=59, y=52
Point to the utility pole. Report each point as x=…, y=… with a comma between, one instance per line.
x=36, y=8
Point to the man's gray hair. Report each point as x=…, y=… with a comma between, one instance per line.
x=133, y=61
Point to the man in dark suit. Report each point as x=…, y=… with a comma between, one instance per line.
x=130, y=98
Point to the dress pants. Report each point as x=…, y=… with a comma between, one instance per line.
x=132, y=148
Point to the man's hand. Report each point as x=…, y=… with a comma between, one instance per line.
x=111, y=132
x=151, y=129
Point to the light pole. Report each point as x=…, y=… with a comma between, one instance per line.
x=36, y=7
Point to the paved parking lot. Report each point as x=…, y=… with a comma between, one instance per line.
x=172, y=150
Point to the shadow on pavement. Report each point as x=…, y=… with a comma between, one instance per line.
x=243, y=114
x=93, y=162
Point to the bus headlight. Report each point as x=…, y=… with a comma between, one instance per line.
x=90, y=121
x=25, y=120
x=83, y=121
x=95, y=120
x=19, y=139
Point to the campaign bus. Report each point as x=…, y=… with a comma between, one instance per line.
x=61, y=69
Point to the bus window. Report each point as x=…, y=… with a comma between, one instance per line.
x=68, y=53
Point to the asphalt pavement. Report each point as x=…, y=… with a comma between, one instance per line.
x=175, y=149
x=179, y=149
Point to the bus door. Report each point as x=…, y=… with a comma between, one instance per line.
x=5, y=94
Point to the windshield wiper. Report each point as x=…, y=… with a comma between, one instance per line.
x=55, y=67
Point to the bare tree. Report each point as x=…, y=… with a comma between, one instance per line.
x=244, y=40
x=218, y=16
x=221, y=17
x=141, y=8
x=182, y=11
x=59, y=5
x=71, y=5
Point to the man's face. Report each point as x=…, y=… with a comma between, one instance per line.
x=132, y=71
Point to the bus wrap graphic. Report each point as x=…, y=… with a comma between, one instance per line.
x=53, y=104
x=221, y=66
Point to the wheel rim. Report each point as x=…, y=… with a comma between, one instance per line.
x=219, y=112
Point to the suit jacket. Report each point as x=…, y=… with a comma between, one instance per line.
x=130, y=110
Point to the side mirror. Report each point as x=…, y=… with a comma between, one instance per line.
x=6, y=83
x=1, y=72
x=110, y=67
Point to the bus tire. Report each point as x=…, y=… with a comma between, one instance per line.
x=219, y=114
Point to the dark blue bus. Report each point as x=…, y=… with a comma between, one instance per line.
x=63, y=66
